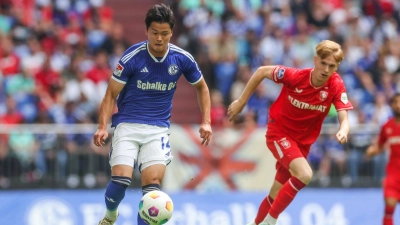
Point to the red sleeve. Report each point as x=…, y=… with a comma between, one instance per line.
x=341, y=101
x=284, y=75
x=382, y=136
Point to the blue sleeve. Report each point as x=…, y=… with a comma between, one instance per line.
x=123, y=70
x=191, y=71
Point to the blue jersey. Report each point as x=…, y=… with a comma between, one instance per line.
x=150, y=84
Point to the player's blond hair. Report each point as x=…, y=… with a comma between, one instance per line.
x=326, y=48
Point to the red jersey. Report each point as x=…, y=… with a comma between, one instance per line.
x=390, y=133
x=9, y=65
x=301, y=107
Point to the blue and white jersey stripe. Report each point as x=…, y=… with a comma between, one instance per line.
x=150, y=84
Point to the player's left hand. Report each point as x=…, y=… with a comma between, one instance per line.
x=205, y=133
x=341, y=137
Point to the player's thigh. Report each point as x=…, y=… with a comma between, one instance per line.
x=124, y=150
x=284, y=149
x=300, y=168
x=154, y=156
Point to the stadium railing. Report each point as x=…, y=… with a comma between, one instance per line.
x=63, y=156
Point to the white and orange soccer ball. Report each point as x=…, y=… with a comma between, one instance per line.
x=156, y=208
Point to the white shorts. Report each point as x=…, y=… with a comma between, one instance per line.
x=140, y=145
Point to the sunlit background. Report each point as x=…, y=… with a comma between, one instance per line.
x=56, y=57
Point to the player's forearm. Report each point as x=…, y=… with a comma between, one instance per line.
x=344, y=122
x=203, y=98
x=253, y=83
x=106, y=109
x=345, y=126
x=374, y=150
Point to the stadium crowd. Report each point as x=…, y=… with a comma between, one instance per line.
x=56, y=57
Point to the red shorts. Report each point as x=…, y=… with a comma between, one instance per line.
x=284, y=149
x=391, y=188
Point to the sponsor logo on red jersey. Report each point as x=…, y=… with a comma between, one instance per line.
x=304, y=105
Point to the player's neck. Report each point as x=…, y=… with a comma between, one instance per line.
x=314, y=80
x=158, y=54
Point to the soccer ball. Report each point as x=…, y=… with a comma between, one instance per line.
x=155, y=208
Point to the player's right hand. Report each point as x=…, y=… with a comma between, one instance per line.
x=100, y=137
x=205, y=133
x=235, y=108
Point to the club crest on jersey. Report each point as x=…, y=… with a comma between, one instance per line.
x=323, y=95
x=285, y=143
x=279, y=73
x=172, y=69
x=118, y=70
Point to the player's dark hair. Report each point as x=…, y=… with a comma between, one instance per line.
x=394, y=97
x=160, y=13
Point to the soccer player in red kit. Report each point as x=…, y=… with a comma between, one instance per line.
x=295, y=121
x=390, y=134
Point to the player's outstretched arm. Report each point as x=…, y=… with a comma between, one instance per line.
x=203, y=97
x=106, y=108
x=237, y=106
x=344, y=129
x=374, y=149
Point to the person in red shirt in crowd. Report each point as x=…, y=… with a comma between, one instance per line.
x=47, y=80
x=378, y=7
x=218, y=110
x=9, y=62
x=12, y=116
x=390, y=134
x=98, y=12
x=101, y=70
x=295, y=121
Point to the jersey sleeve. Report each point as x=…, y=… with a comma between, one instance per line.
x=340, y=101
x=191, y=70
x=285, y=75
x=123, y=70
x=382, y=136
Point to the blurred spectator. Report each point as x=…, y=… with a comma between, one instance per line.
x=10, y=166
x=12, y=115
x=319, y=162
x=9, y=61
x=259, y=104
x=36, y=58
x=223, y=55
x=358, y=143
x=381, y=111
x=22, y=144
x=336, y=156
x=51, y=157
x=218, y=109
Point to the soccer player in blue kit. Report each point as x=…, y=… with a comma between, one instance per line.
x=143, y=85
